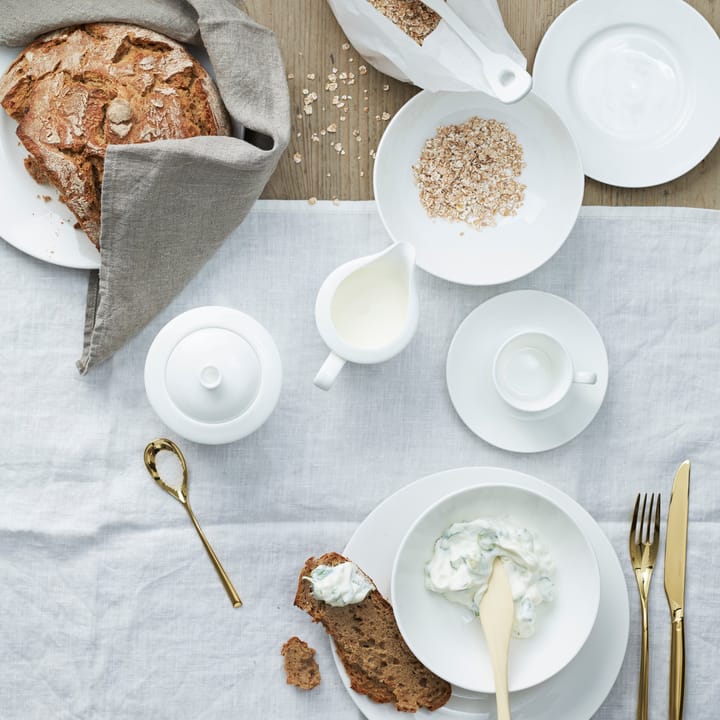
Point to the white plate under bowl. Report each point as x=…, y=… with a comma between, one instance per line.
x=638, y=85
x=578, y=690
x=447, y=637
x=517, y=245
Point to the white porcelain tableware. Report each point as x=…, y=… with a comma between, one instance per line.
x=469, y=371
x=516, y=245
x=442, y=634
x=533, y=371
x=578, y=690
x=367, y=310
x=637, y=85
x=213, y=375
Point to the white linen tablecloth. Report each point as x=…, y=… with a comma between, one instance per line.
x=109, y=607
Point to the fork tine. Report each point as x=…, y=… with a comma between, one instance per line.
x=656, y=533
x=641, y=536
x=633, y=523
x=650, y=516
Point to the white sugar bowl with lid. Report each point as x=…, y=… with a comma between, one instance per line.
x=213, y=375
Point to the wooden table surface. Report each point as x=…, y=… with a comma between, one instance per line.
x=329, y=165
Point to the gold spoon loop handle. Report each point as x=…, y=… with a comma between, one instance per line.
x=181, y=495
x=150, y=457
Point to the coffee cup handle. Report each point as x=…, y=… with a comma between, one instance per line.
x=585, y=378
x=329, y=371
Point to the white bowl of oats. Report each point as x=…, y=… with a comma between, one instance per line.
x=486, y=192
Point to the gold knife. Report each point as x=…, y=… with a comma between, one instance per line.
x=675, y=556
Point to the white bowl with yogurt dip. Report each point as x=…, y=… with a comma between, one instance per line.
x=553, y=571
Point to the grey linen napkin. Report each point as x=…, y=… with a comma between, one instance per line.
x=168, y=205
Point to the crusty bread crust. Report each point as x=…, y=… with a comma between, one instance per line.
x=75, y=91
x=368, y=642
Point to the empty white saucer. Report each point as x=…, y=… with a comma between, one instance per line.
x=637, y=85
x=470, y=371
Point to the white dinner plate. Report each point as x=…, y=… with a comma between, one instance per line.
x=638, y=85
x=37, y=226
x=470, y=376
x=578, y=690
x=516, y=245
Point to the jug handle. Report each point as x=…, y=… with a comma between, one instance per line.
x=329, y=371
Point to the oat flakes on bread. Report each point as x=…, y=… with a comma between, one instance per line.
x=368, y=642
x=301, y=668
x=76, y=90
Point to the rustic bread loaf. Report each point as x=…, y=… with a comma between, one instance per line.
x=301, y=668
x=368, y=642
x=75, y=91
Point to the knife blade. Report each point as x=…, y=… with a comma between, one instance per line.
x=675, y=558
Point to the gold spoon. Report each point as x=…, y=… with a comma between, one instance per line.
x=496, y=617
x=181, y=495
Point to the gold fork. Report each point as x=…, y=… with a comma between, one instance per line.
x=644, y=542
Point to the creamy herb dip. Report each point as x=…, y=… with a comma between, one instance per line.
x=462, y=562
x=340, y=585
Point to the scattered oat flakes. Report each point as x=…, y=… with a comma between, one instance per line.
x=310, y=76
x=362, y=69
x=312, y=200
x=291, y=76
x=297, y=158
x=469, y=172
x=308, y=109
x=346, y=46
x=386, y=87
x=332, y=127
x=338, y=147
x=335, y=201
x=385, y=116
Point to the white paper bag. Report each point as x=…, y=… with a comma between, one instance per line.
x=443, y=61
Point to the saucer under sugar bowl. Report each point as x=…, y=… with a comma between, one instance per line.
x=213, y=375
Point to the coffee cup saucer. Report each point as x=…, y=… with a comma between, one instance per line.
x=470, y=371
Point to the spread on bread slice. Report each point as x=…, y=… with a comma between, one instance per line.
x=368, y=642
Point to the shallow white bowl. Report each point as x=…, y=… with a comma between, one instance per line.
x=448, y=638
x=516, y=245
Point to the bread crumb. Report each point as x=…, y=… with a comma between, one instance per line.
x=46, y=198
x=312, y=200
x=297, y=158
x=301, y=668
x=386, y=116
x=346, y=46
x=310, y=76
x=362, y=69
x=332, y=127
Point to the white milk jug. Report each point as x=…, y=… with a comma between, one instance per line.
x=367, y=310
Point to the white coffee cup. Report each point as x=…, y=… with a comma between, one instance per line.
x=533, y=371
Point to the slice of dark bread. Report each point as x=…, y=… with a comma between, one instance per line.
x=368, y=642
x=301, y=669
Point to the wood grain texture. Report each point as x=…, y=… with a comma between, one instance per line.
x=312, y=43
